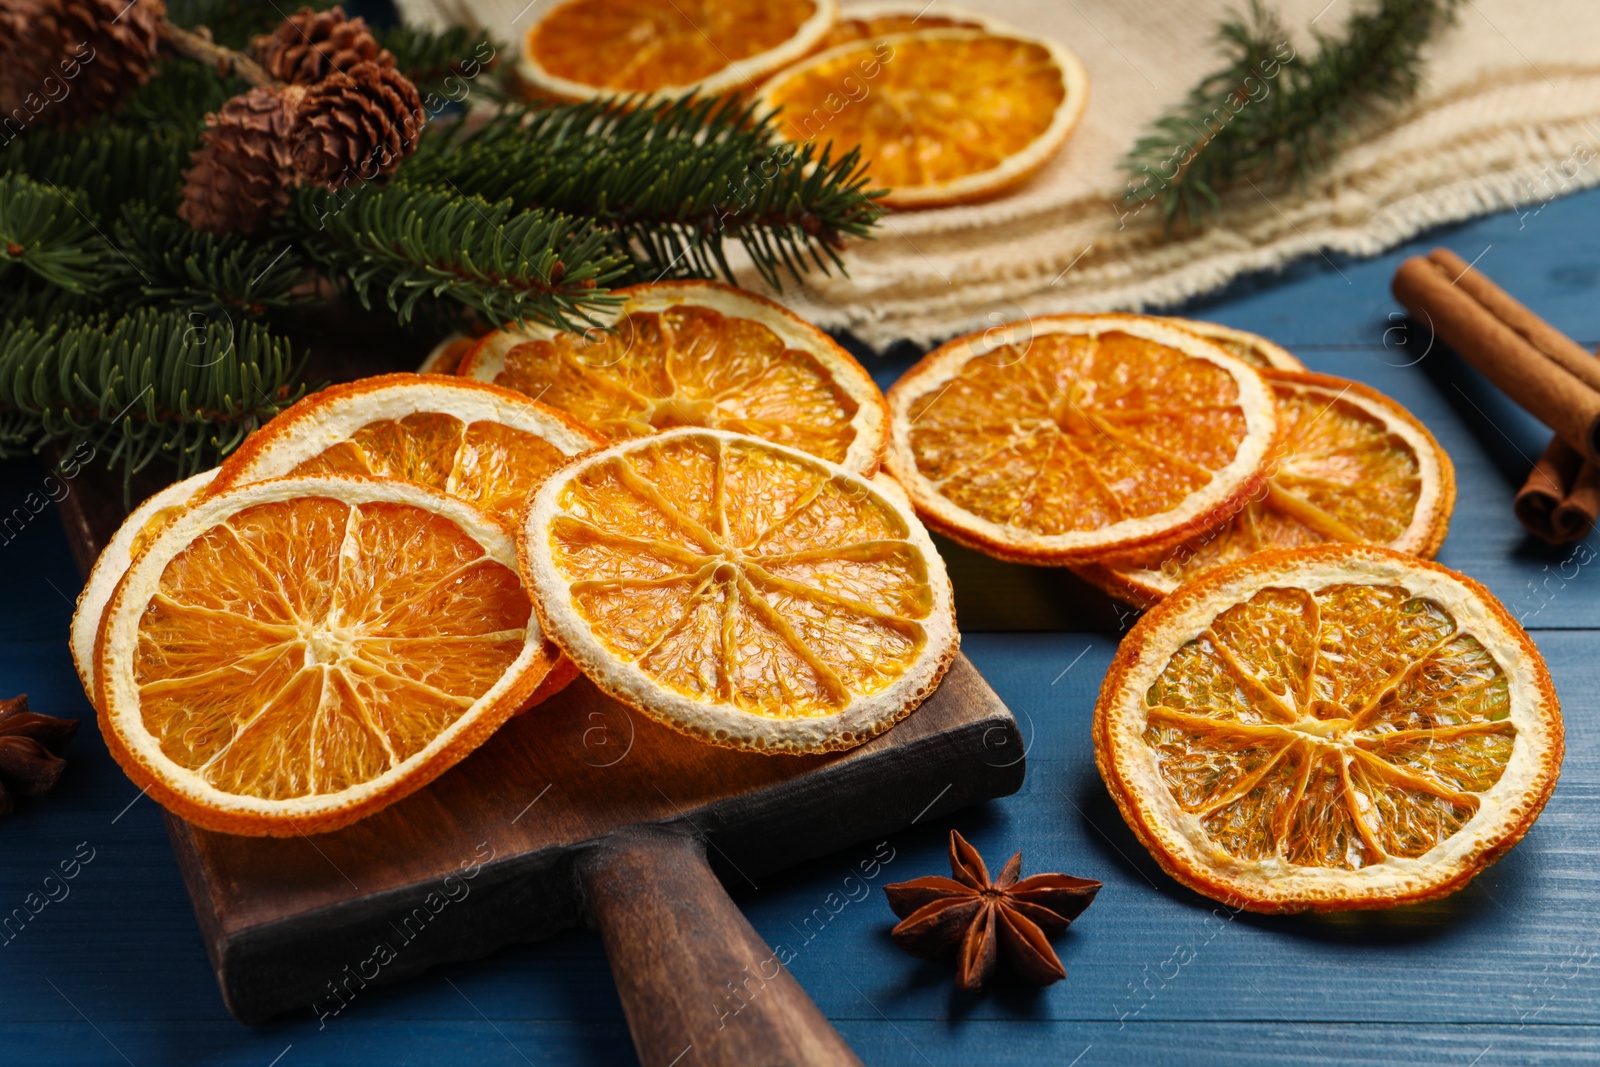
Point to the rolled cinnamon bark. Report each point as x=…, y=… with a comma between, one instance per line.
x=1572, y=357
x=1541, y=497
x=1543, y=388
x=1576, y=516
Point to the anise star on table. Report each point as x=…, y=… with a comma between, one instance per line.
x=30, y=750
x=984, y=922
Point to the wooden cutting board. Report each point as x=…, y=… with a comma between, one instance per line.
x=581, y=812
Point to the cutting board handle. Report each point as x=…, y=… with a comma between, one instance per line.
x=699, y=985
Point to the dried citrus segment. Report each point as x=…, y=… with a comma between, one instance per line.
x=136, y=531
x=1252, y=348
x=1082, y=437
x=741, y=592
x=292, y=655
x=698, y=354
x=943, y=116
x=485, y=445
x=1350, y=465
x=586, y=48
x=1328, y=728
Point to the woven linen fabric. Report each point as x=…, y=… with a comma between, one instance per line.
x=1508, y=117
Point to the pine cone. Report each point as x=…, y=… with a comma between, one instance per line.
x=240, y=177
x=310, y=44
x=357, y=126
x=66, y=61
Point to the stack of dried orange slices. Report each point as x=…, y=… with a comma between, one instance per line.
x=1141, y=451
x=1313, y=717
x=377, y=579
x=333, y=617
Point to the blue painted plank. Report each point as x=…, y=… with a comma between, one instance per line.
x=428, y=1042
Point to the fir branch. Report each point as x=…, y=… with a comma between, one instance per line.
x=43, y=229
x=167, y=261
x=29, y=298
x=445, y=64
x=669, y=183
x=1270, y=114
x=411, y=245
x=180, y=96
x=111, y=163
x=151, y=384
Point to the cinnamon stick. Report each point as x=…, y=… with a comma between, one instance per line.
x=1576, y=516
x=1541, y=502
x=1536, y=382
x=1569, y=354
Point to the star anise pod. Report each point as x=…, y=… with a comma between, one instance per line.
x=30, y=750
x=983, y=922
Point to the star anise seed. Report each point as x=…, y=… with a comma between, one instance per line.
x=30, y=750
x=983, y=922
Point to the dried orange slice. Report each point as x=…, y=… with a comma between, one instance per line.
x=1328, y=728
x=293, y=655
x=744, y=593
x=1350, y=465
x=1079, y=438
x=698, y=354
x=875, y=21
x=486, y=445
x=1250, y=347
x=944, y=116
x=447, y=355
x=143, y=523
x=587, y=48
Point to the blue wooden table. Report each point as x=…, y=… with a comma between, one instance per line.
x=110, y=970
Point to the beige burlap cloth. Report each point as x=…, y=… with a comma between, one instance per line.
x=1508, y=117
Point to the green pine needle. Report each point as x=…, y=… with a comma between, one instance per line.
x=179, y=97
x=1270, y=115
x=44, y=229
x=154, y=383
x=447, y=65
x=669, y=184
x=112, y=164
x=412, y=245
x=229, y=274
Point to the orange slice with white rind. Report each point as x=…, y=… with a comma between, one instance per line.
x=943, y=116
x=1351, y=465
x=447, y=355
x=587, y=48
x=292, y=655
x=135, y=532
x=740, y=592
x=1077, y=438
x=698, y=354
x=485, y=445
x=875, y=21
x=1250, y=347
x=1328, y=728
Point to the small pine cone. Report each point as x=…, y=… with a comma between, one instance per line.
x=310, y=44
x=240, y=177
x=67, y=61
x=356, y=126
